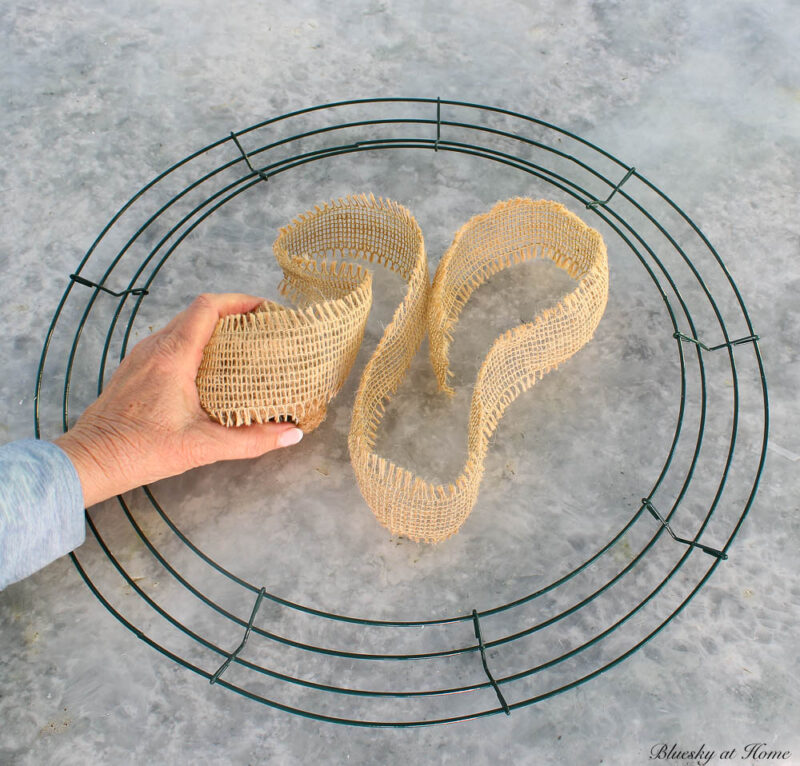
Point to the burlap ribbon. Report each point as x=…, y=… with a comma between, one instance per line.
x=281, y=363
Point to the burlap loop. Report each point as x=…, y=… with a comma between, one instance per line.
x=282, y=363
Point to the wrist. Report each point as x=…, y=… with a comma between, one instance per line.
x=95, y=464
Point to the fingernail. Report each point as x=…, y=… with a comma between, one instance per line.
x=290, y=437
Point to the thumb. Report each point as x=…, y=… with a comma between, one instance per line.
x=240, y=442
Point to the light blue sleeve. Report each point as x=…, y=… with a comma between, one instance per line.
x=41, y=508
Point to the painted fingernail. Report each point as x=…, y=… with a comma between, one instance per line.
x=290, y=437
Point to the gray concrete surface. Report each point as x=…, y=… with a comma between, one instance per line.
x=704, y=99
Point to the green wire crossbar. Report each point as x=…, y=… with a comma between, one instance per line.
x=443, y=139
x=117, y=294
x=595, y=203
x=235, y=653
x=260, y=173
x=726, y=344
x=488, y=672
x=693, y=543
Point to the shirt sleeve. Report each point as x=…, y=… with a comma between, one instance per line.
x=41, y=508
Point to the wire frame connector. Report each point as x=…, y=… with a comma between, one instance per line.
x=603, y=202
x=88, y=283
x=235, y=653
x=737, y=342
x=500, y=697
x=262, y=174
x=693, y=543
x=438, y=124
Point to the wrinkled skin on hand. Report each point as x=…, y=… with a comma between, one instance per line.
x=148, y=424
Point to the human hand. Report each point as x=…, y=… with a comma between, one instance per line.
x=148, y=424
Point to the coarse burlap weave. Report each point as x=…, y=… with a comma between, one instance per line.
x=283, y=363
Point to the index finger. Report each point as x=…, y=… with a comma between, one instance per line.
x=196, y=324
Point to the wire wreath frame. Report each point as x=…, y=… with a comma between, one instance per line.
x=443, y=669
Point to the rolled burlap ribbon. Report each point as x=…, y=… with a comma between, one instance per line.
x=282, y=363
